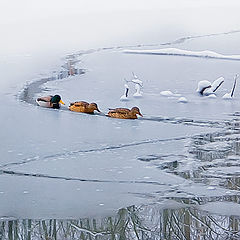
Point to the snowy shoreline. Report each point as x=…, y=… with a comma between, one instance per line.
x=184, y=53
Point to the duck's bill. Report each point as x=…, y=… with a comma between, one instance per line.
x=98, y=110
x=62, y=102
x=140, y=114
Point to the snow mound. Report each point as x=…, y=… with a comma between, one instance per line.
x=227, y=96
x=202, y=85
x=211, y=96
x=167, y=93
x=182, y=100
x=185, y=53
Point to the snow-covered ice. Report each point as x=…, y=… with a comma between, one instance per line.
x=182, y=100
x=185, y=53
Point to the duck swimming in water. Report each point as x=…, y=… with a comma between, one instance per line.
x=124, y=113
x=50, y=101
x=83, y=107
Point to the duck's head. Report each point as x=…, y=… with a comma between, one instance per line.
x=56, y=99
x=136, y=110
x=94, y=106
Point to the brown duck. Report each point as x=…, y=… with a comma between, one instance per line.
x=124, y=113
x=83, y=107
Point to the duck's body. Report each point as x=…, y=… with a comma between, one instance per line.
x=124, y=113
x=83, y=107
x=50, y=101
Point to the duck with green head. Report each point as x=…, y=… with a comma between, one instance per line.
x=50, y=101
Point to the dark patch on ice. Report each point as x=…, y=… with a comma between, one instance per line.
x=163, y=161
x=169, y=165
x=192, y=122
x=39, y=175
x=149, y=158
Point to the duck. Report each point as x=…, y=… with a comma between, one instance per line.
x=124, y=113
x=83, y=107
x=50, y=101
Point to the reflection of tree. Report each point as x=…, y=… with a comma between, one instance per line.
x=144, y=222
x=210, y=152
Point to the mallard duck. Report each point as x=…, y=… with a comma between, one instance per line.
x=50, y=101
x=124, y=113
x=83, y=107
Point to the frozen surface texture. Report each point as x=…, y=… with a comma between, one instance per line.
x=171, y=173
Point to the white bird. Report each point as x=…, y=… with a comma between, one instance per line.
x=207, y=88
x=230, y=95
x=124, y=97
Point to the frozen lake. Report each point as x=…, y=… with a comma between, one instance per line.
x=171, y=174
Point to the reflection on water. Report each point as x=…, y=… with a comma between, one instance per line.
x=214, y=161
x=215, y=157
x=144, y=222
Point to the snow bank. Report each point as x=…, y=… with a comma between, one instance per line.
x=182, y=100
x=185, y=53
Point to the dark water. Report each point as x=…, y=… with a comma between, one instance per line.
x=185, y=221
